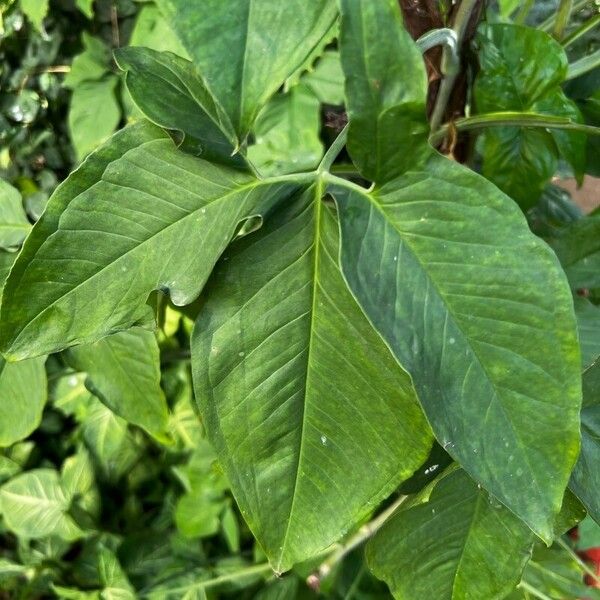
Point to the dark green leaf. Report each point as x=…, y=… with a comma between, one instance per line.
x=481, y=318
x=588, y=320
x=246, y=49
x=462, y=543
x=386, y=87
x=14, y=225
x=169, y=92
x=298, y=417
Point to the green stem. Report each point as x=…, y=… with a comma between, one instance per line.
x=450, y=65
x=578, y=560
x=524, y=11
x=529, y=588
x=549, y=22
x=563, y=14
x=514, y=119
x=584, y=65
x=333, y=151
x=360, y=537
x=581, y=31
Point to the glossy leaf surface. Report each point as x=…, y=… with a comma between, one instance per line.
x=482, y=320
x=301, y=399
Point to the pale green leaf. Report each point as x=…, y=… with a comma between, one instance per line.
x=169, y=92
x=460, y=544
x=326, y=80
x=94, y=114
x=299, y=396
x=14, y=225
x=482, y=319
x=386, y=87
x=246, y=49
x=115, y=584
x=124, y=372
x=287, y=134
x=91, y=65
x=86, y=7
x=34, y=505
x=121, y=239
x=35, y=10
x=23, y=394
x=152, y=31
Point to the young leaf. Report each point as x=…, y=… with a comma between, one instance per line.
x=481, y=318
x=36, y=11
x=246, y=49
x=152, y=31
x=23, y=394
x=386, y=87
x=14, y=225
x=588, y=321
x=326, y=80
x=35, y=504
x=124, y=373
x=157, y=219
x=462, y=543
x=299, y=417
x=287, y=134
x=169, y=91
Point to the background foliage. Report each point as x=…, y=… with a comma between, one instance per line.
x=109, y=488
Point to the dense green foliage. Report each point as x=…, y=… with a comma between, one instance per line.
x=239, y=340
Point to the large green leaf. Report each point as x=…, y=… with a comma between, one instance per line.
x=246, y=49
x=124, y=372
x=151, y=30
x=300, y=397
x=460, y=544
x=585, y=481
x=477, y=310
x=169, y=91
x=14, y=225
x=386, y=87
x=23, y=393
x=35, y=504
x=287, y=134
x=156, y=219
x=521, y=161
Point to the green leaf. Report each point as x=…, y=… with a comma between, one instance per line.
x=287, y=134
x=116, y=235
x=86, y=7
x=386, y=87
x=585, y=480
x=14, y=225
x=246, y=49
x=115, y=584
x=588, y=320
x=23, y=394
x=124, y=373
x=94, y=114
x=578, y=249
x=197, y=512
x=35, y=10
x=169, y=91
x=35, y=504
x=482, y=320
x=462, y=543
x=326, y=80
x=152, y=31
x=521, y=70
x=109, y=441
x=297, y=418
x=91, y=65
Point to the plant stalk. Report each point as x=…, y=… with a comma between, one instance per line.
x=367, y=531
x=581, y=31
x=563, y=14
x=333, y=151
x=514, y=119
x=524, y=12
x=451, y=64
x=583, y=65
x=548, y=24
